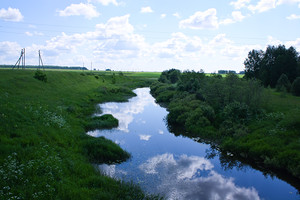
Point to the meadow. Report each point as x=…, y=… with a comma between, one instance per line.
x=44, y=150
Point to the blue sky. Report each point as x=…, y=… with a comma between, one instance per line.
x=146, y=35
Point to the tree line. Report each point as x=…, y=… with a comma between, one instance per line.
x=277, y=67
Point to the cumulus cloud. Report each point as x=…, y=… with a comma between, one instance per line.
x=105, y=2
x=178, y=46
x=239, y=3
x=87, y=10
x=11, y=14
x=236, y=17
x=147, y=9
x=262, y=6
x=293, y=17
x=9, y=51
x=279, y=2
x=201, y=20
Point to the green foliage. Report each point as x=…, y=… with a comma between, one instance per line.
x=170, y=76
x=268, y=66
x=296, y=87
x=103, y=122
x=100, y=150
x=39, y=75
x=283, y=84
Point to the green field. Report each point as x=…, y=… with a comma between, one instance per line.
x=45, y=153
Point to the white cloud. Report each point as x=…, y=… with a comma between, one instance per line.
x=293, y=17
x=239, y=3
x=145, y=137
x=177, y=15
x=273, y=41
x=34, y=33
x=87, y=10
x=105, y=2
x=279, y=2
x=236, y=17
x=11, y=14
x=162, y=16
x=262, y=6
x=9, y=52
x=201, y=20
x=295, y=43
x=147, y=9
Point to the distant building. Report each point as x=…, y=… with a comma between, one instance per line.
x=108, y=70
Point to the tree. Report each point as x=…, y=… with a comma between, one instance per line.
x=296, y=87
x=283, y=83
x=268, y=66
x=253, y=63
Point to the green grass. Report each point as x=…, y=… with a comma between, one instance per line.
x=44, y=151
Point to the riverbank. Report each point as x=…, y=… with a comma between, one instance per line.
x=244, y=120
x=45, y=153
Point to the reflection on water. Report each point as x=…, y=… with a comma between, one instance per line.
x=124, y=111
x=192, y=177
x=177, y=167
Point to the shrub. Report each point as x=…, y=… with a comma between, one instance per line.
x=283, y=84
x=296, y=87
x=101, y=150
x=103, y=122
x=39, y=75
x=236, y=112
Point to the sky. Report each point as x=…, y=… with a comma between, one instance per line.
x=145, y=35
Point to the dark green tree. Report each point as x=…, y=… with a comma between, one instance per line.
x=253, y=63
x=283, y=83
x=269, y=65
x=296, y=87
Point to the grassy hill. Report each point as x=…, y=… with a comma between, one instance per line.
x=44, y=151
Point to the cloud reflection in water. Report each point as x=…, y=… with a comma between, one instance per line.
x=192, y=177
x=124, y=112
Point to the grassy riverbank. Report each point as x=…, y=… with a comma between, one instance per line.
x=45, y=153
x=245, y=121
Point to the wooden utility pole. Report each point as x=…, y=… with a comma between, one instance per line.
x=40, y=60
x=21, y=60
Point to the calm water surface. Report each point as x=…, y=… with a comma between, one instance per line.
x=177, y=167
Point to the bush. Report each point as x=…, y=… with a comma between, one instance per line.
x=296, y=87
x=236, y=112
x=101, y=150
x=39, y=75
x=103, y=122
x=283, y=84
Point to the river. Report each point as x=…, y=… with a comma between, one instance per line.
x=178, y=167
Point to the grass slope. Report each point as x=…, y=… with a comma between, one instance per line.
x=44, y=151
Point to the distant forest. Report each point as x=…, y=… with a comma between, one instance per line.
x=45, y=67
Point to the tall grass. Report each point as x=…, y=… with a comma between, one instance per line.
x=44, y=151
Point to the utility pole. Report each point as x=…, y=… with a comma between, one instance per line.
x=40, y=60
x=21, y=58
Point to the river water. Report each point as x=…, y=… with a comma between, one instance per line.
x=174, y=166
